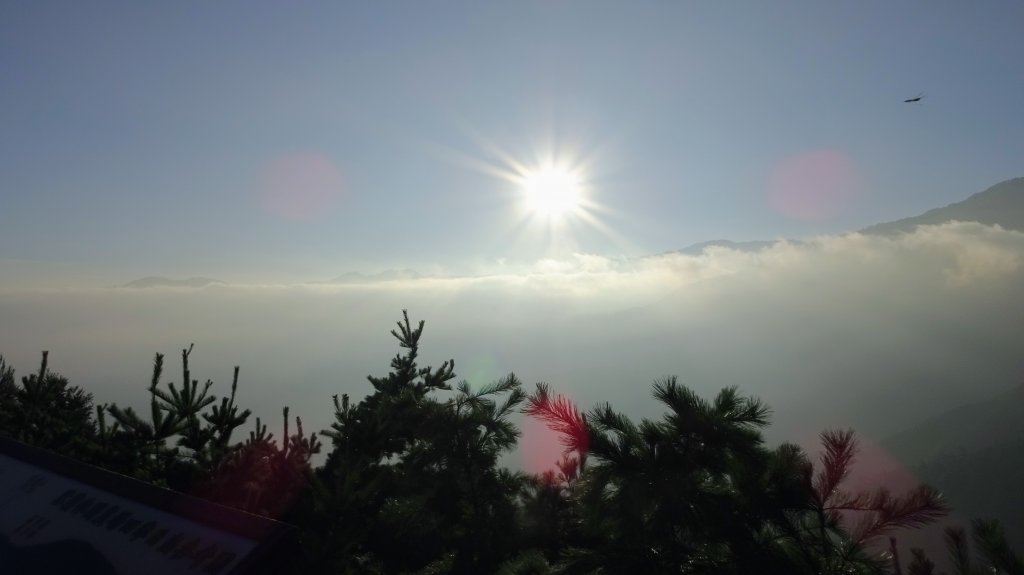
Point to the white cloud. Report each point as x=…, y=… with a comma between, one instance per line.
x=865, y=330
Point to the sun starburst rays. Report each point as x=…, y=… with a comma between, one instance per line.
x=550, y=196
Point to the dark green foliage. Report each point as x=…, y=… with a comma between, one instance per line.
x=993, y=548
x=186, y=436
x=697, y=492
x=411, y=483
x=920, y=565
x=959, y=548
x=8, y=398
x=45, y=410
x=8, y=389
x=993, y=552
x=260, y=476
x=528, y=563
x=547, y=513
x=183, y=443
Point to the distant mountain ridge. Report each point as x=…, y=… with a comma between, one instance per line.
x=159, y=281
x=1001, y=204
x=386, y=275
x=968, y=427
x=975, y=454
x=751, y=246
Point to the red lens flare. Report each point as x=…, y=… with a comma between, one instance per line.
x=540, y=447
x=813, y=186
x=555, y=428
x=301, y=187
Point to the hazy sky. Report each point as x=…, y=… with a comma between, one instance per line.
x=272, y=144
x=286, y=141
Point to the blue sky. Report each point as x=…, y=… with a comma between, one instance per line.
x=180, y=138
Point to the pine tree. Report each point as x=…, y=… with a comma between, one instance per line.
x=260, y=476
x=186, y=437
x=412, y=483
x=697, y=492
x=920, y=564
x=46, y=411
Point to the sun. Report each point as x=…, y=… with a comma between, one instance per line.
x=552, y=191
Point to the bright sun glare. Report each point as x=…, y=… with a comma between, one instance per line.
x=552, y=191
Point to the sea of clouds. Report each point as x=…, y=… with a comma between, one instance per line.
x=857, y=330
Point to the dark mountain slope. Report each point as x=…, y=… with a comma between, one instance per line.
x=968, y=427
x=1002, y=204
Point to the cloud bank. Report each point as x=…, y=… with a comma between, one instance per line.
x=870, y=331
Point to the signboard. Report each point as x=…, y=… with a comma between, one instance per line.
x=58, y=515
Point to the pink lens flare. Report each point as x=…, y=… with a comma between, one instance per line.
x=554, y=428
x=875, y=467
x=539, y=446
x=301, y=187
x=813, y=186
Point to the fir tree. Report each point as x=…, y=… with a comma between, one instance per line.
x=412, y=483
x=697, y=492
x=45, y=410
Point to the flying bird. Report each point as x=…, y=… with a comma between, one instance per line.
x=914, y=99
